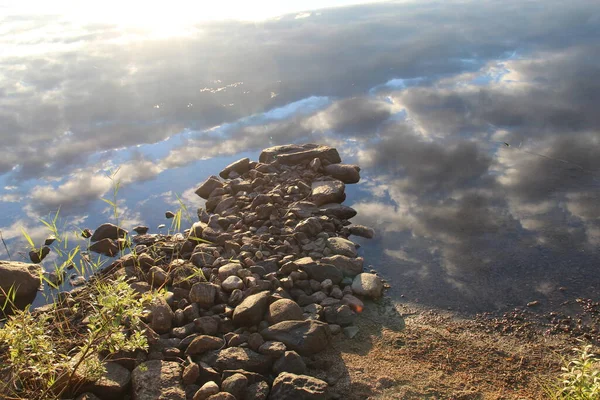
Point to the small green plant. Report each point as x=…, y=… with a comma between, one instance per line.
x=116, y=185
x=580, y=378
x=5, y=246
x=46, y=354
x=182, y=212
x=9, y=299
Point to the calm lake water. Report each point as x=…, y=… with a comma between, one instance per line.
x=476, y=125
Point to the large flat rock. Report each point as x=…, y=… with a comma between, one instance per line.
x=292, y=154
x=305, y=337
x=23, y=277
x=157, y=379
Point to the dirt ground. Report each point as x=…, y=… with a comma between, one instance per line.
x=403, y=352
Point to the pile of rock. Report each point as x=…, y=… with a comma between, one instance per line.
x=256, y=287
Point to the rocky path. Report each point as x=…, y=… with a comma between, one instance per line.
x=255, y=289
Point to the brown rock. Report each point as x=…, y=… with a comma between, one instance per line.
x=156, y=379
x=36, y=256
x=321, y=272
x=204, y=343
x=325, y=192
x=289, y=362
x=207, y=390
x=305, y=337
x=362, y=231
x=241, y=166
x=107, y=247
x=108, y=231
x=222, y=396
x=162, y=316
x=288, y=386
x=369, y=285
x=348, y=265
x=24, y=278
x=204, y=294
x=235, y=384
x=284, y=310
x=190, y=374
x=251, y=310
x=292, y=154
x=242, y=358
x=208, y=186
x=114, y=382
x=343, y=172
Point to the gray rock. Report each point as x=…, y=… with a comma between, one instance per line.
x=203, y=343
x=207, y=390
x=23, y=277
x=231, y=283
x=202, y=259
x=162, y=315
x=222, y=396
x=257, y=391
x=156, y=379
x=255, y=340
x=252, y=377
x=272, y=349
x=240, y=166
x=190, y=374
x=113, y=384
x=342, y=246
x=227, y=270
x=36, y=256
x=349, y=266
x=305, y=337
x=344, y=172
x=284, y=310
x=339, y=315
x=289, y=362
x=311, y=226
x=292, y=154
x=145, y=261
x=301, y=263
x=207, y=325
x=354, y=303
x=251, y=311
x=157, y=276
x=208, y=186
x=236, y=297
x=106, y=246
x=236, y=384
x=289, y=386
x=325, y=192
x=338, y=211
x=321, y=272
x=369, y=285
x=108, y=231
x=204, y=294
x=350, y=331
x=141, y=229
x=242, y=358
x=224, y=205
x=362, y=231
